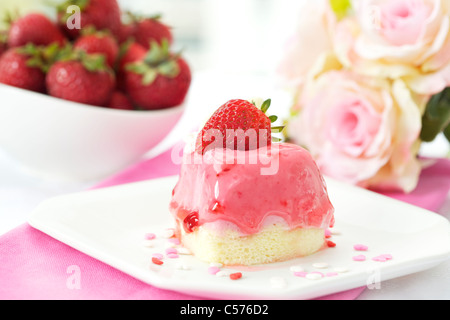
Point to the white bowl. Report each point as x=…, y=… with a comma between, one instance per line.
x=64, y=140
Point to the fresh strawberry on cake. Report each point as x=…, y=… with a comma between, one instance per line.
x=242, y=199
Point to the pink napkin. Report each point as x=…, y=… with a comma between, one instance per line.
x=36, y=266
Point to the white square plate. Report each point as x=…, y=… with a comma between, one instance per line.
x=110, y=224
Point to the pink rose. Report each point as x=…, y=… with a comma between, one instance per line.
x=401, y=38
x=360, y=130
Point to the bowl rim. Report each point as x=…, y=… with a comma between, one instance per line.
x=98, y=109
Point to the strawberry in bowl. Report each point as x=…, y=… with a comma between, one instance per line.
x=84, y=78
x=138, y=57
x=158, y=80
x=145, y=30
x=23, y=68
x=66, y=112
x=101, y=14
x=34, y=28
x=99, y=42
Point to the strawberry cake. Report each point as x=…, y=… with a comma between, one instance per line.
x=247, y=206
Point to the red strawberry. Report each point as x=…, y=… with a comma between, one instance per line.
x=145, y=30
x=102, y=14
x=120, y=101
x=237, y=115
x=34, y=28
x=129, y=52
x=84, y=79
x=20, y=67
x=151, y=29
x=126, y=32
x=159, y=80
x=101, y=43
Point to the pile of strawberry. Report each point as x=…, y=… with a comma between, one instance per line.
x=115, y=60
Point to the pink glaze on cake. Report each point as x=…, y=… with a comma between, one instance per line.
x=246, y=187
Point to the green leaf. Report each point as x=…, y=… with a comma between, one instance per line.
x=447, y=133
x=136, y=67
x=165, y=46
x=277, y=129
x=276, y=139
x=62, y=7
x=154, y=55
x=169, y=69
x=266, y=105
x=36, y=56
x=9, y=17
x=147, y=72
x=94, y=62
x=35, y=62
x=132, y=17
x=158, y=53
x=29, y=49
x=51, y=52
x=437, y=116
x=340, y=7
x=149, y=77
x=273, y=119
x=3, y=37
x=66, y=53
